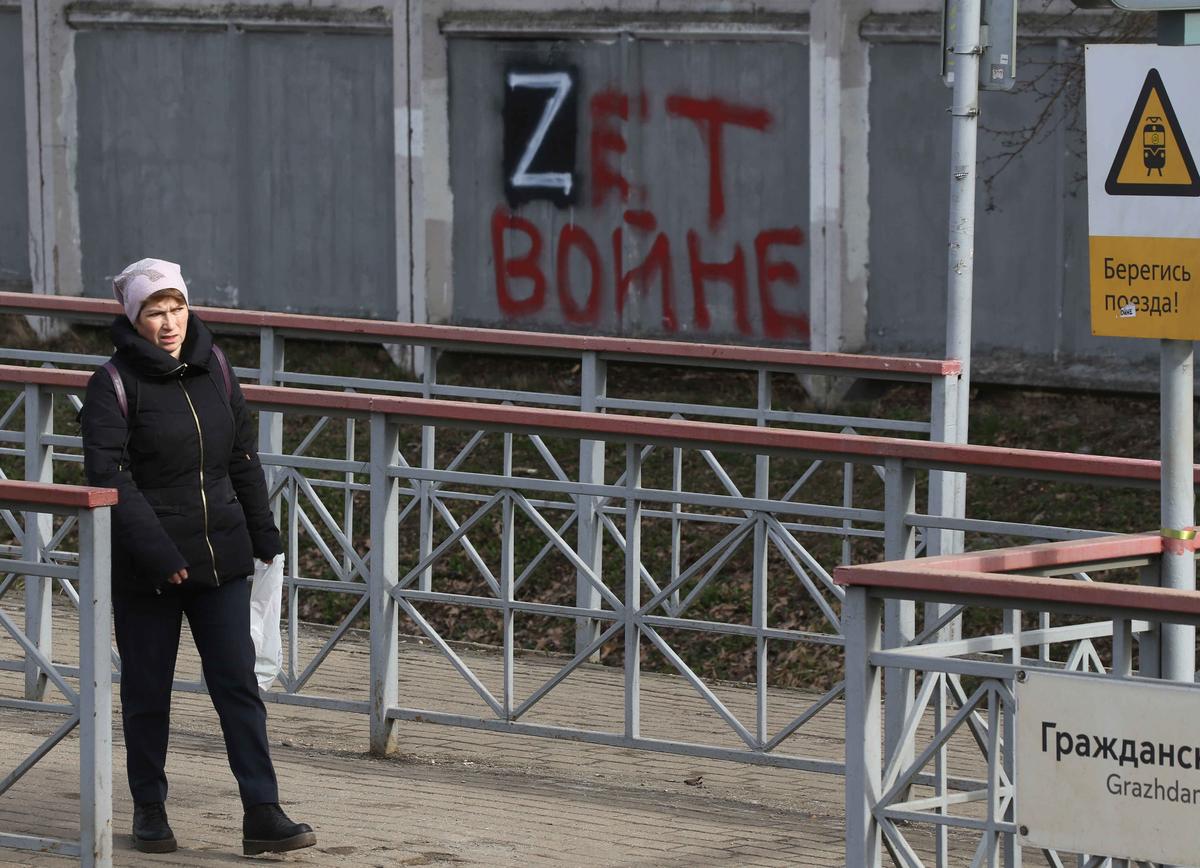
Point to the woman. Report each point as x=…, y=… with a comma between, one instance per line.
x=178, y=445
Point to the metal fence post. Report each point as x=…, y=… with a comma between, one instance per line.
x=95, y=689
x=1149, y=650
x=633, y=591
x=900, y=500
x=39, y=467
x=760, y=605
x=270, y=424
x=507, y=569
x=428, y=460
x=385, y=565
x=592, y=388
x=861, y=624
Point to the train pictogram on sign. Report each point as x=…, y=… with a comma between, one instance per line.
x=1154, y=158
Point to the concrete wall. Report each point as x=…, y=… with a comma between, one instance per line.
x=1031, y=306
x=14, y=204
x=669, y=198
x=343, y=157
x=260, y=161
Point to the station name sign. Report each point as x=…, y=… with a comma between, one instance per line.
x=1109, y=767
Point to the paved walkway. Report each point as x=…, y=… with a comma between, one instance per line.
x=456, y=796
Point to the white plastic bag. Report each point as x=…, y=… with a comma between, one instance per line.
x=266, y=593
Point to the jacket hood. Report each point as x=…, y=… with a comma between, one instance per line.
x=151, y=361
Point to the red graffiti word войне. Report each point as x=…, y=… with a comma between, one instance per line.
x=526, y=264
x=522, y=281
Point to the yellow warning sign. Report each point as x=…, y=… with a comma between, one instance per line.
x=1145, y=287
x=1153, y=158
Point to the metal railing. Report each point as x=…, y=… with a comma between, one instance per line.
x=595, y=357
x=721, y=526
x=38, y=554
x=905, y=801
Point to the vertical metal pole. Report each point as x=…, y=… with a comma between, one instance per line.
x=507, y=565
x=270, y=365
x=899, y=628
x=762, y=491
x=964, y=136
x=848, y=503
x=293, y=590
x=1002, y=715
x=1122, y=654
x=995, y=761
x=348, y=492
x=941, y=775
x=944, y=486
x=39, y=467
x=95, y=689
x=633, y=591
x=428, y=460
x=385, y=566
x=1149, y=642
x=676, y=523
x=270, y=442
x=1177, y=364
x=944, y=499
x=862, y=618
x=1178, y=502
x=592, y=388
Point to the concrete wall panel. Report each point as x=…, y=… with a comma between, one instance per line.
x=692, y=151
x=1031, y=266
x=14, y=195
x=260, y=161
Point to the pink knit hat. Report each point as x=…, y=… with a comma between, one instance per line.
x=142, y=279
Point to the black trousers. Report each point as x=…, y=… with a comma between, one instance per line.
x=148, y=629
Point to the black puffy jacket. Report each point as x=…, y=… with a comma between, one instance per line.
x=192, y=491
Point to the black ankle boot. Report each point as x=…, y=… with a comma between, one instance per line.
x=151, y=833
x=267, y=829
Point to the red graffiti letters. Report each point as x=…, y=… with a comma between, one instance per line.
x=775, y=323
x=526, y=266
x=574, y=237
x=657, y=261
x=732, y=272
x=711, y=116
x=634, y=275
x=515, y=263
x=606, y=139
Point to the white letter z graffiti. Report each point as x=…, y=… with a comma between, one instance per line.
x=560, y=83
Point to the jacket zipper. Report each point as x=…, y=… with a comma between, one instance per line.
x=203, y=495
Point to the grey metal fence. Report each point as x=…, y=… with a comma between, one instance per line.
x=947, y=793
x=732, y=518
x=62, y=540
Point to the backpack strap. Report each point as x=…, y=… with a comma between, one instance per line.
x=118, y=387
x=226, y=375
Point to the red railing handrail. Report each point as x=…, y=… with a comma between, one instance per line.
x=503, y=340
x=685, y=432
x=54, y=494
x=983, y=575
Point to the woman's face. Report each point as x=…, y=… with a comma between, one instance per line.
x=163, y=322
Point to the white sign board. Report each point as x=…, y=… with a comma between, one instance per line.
x=1108, y=767
x=1143, y=128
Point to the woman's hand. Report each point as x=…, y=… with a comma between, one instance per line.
x=178, y=578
